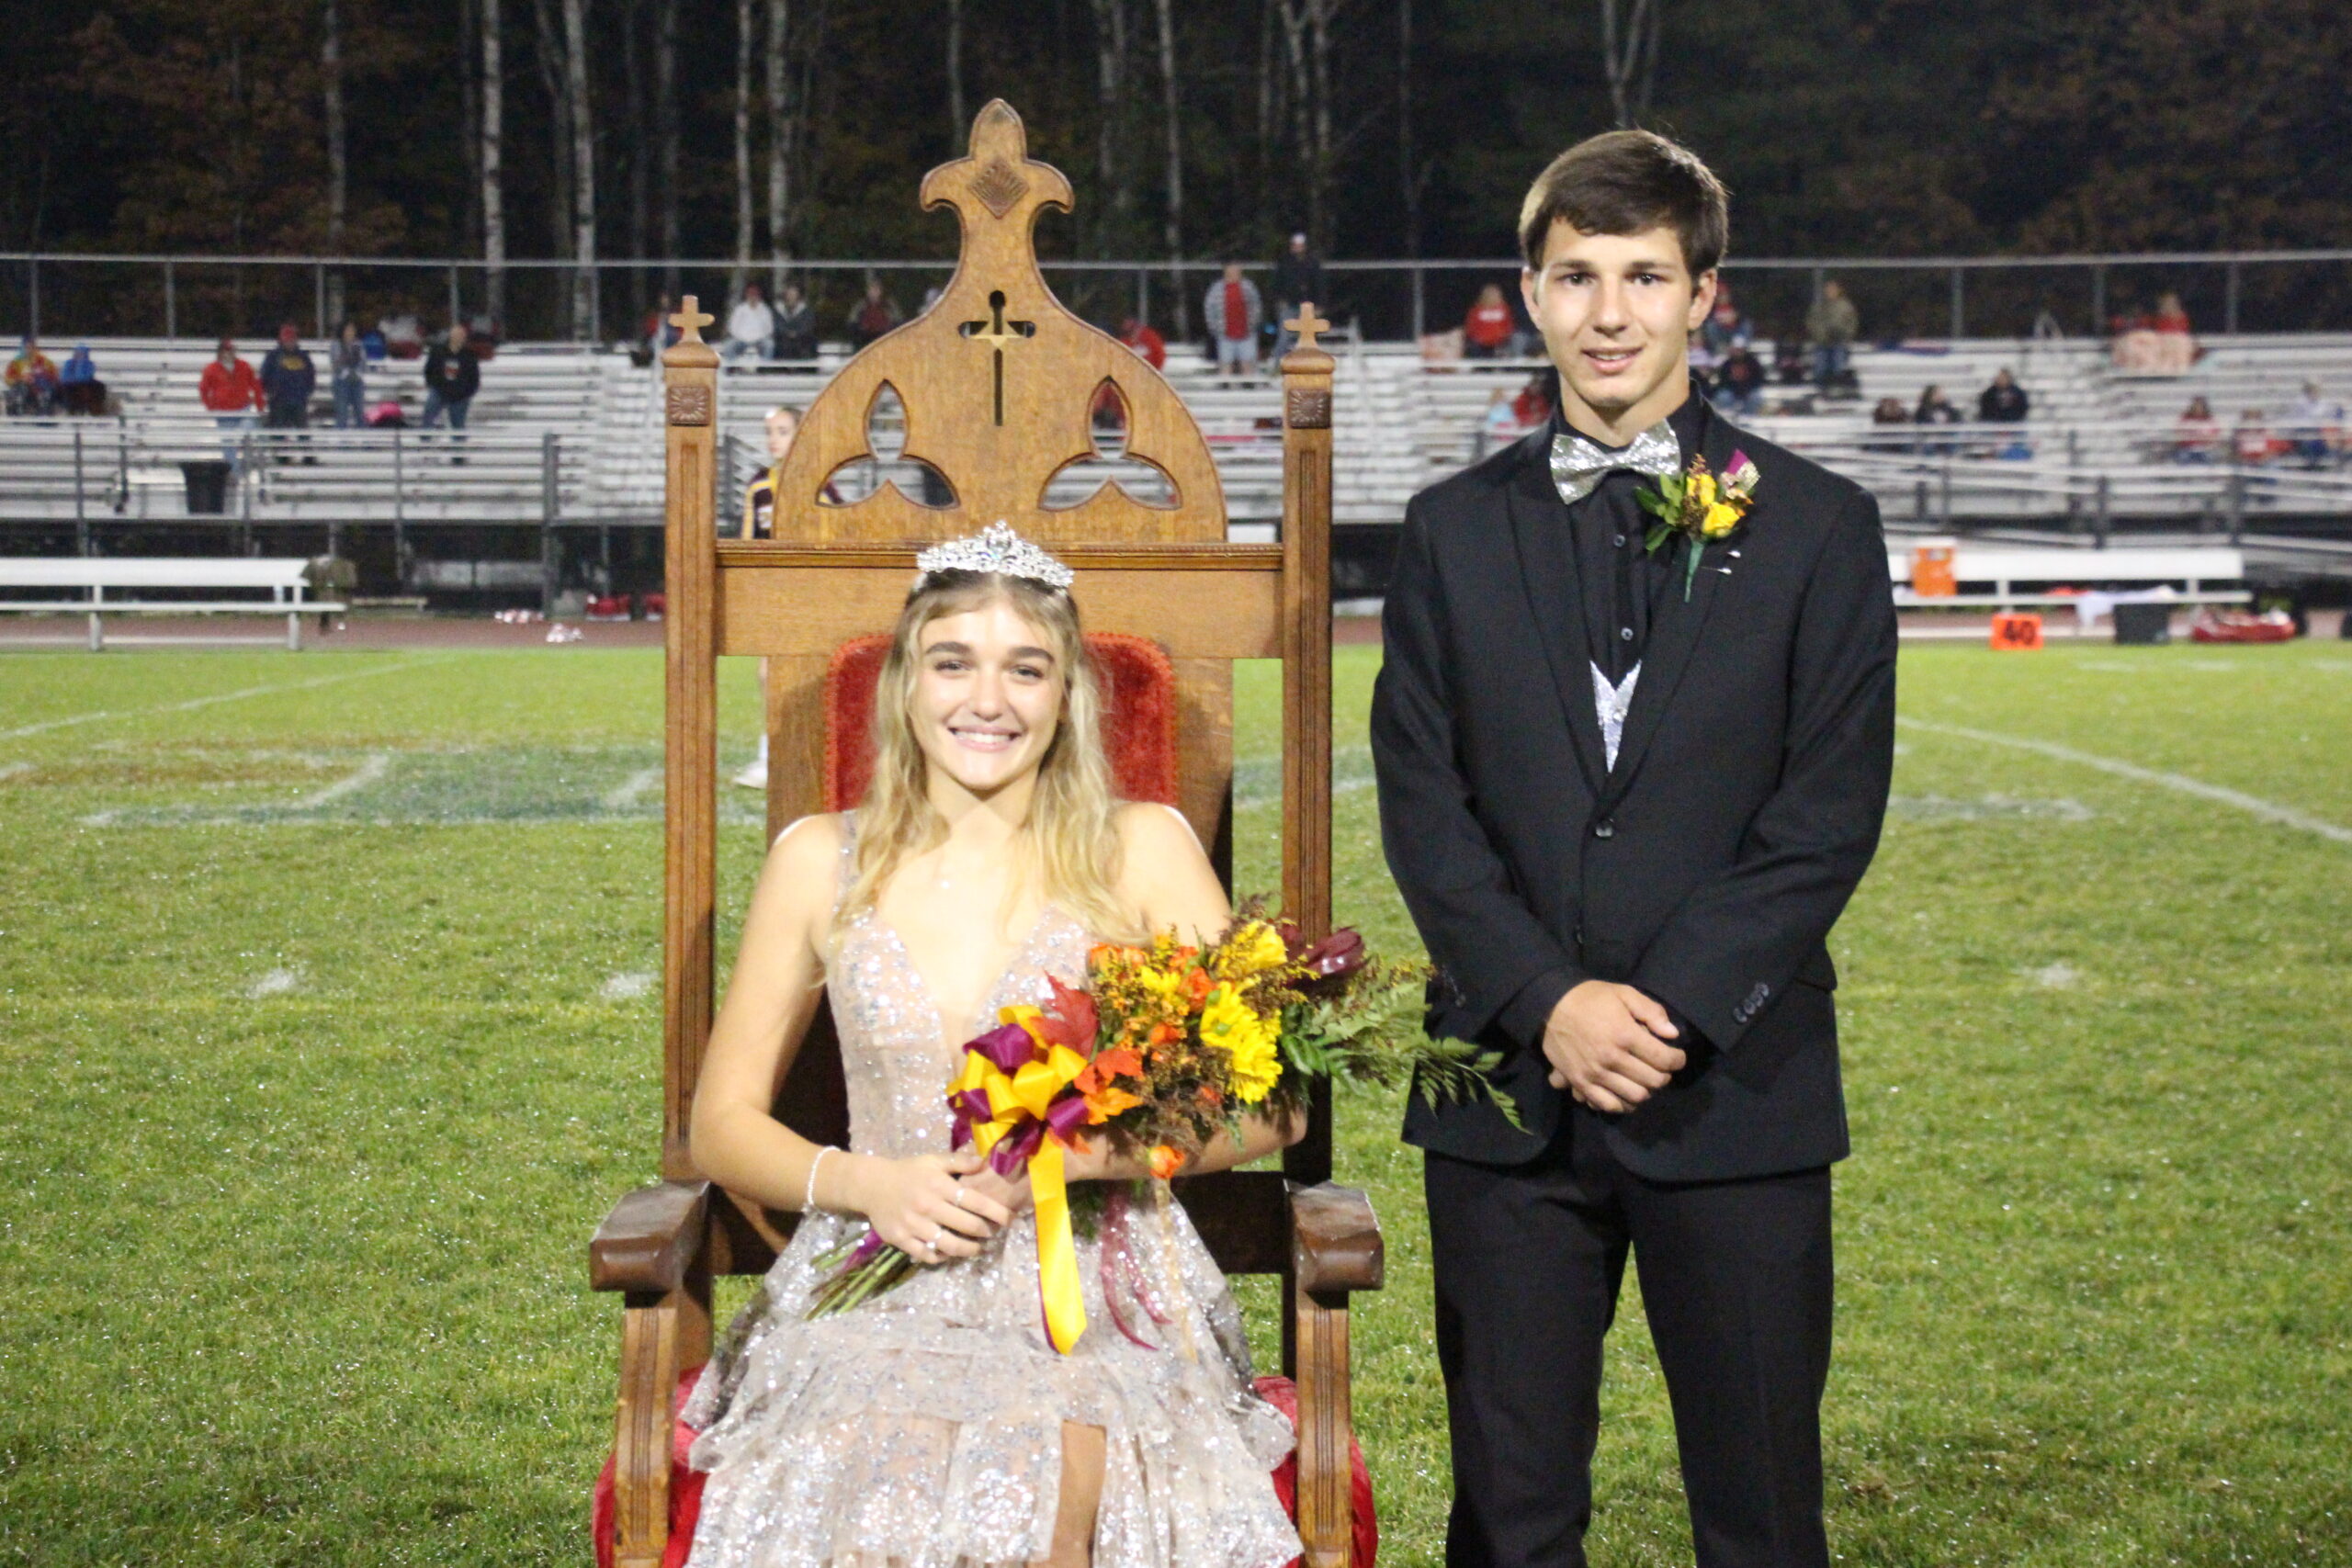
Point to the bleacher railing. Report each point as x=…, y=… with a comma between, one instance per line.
x=198, y=295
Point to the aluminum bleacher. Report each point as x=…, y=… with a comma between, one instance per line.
x=564, y=439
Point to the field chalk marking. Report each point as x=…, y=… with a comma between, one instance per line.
x=2285, y=816
x=626, y=796
x=194, y=702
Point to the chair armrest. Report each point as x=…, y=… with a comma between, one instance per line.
x=651, y=1239
x=1335, y=1241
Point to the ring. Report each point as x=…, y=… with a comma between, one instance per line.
x=960, y=1197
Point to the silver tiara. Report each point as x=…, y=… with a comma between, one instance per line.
x=998, y=551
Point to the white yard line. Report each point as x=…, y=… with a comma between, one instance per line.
x=624, y=796
x=10, y=770
x=194, y=702
x=359, y=778
x=2270, y=811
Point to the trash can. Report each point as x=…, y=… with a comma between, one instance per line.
x=2143, y=623
x=207, y=488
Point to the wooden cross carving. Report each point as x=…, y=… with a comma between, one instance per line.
x=1307, y=325
x=690, y=321
x=996, y=332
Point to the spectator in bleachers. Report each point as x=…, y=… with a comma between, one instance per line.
x=1889, y=411
x=287, y=380
x=1934, y=408
x=1739, y=381
x=1231, y=312
x=1298, y=280
x=2198, y=437
x=231, y=389
x=31, y=380
x=1487, y=330
x=1536, y=400
x=403, y=335
x=751, y=327
x=1831, y=325
x=874, y=315
x=79, y=391
x=2158, y=342
x=452, y=377
x=1148, y=345
x=2003, y=403
x=347, y=377
x=1498, y=425
x=2315, y=427
x=1725, y=328
x=796, y=325
x=2251, y=442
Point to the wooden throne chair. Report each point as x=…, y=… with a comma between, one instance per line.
x=998, y=382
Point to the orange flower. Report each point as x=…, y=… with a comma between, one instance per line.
x=1164, y=1034
x=1165, y=1162
x=1197, y=985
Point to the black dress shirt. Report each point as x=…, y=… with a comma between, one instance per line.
x=1627, y=588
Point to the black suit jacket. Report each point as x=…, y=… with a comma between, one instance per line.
x=1706, y=868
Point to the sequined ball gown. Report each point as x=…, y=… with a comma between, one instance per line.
x=923, y=1428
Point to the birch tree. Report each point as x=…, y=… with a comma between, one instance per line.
x=494, y=177
x=584, y=173
x=782, y=124
x=958, y=126
x=1629, y=35
x=1110, y=81
x=338, y=164
x=742, y=267
x=1171, y=104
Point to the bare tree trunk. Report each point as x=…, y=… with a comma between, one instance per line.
x=641, y=150
x=1110, y=64
x=959, y=128
x=665, y=117
x=1409, y=177
x=742, y=267
x=338, y=164
x=494, y=174
x=584, y=321
x=552, y=71
x=1269, y=112
x=780, y=128
x=1629, y=44
x=1171, y=101
x=1307, y=44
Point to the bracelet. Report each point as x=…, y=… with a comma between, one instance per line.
x=808, y=1193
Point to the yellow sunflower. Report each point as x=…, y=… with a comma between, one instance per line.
x=1248, y=1040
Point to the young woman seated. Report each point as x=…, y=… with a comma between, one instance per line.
x=935, y=1425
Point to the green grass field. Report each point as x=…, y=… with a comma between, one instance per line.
x=329, y=1018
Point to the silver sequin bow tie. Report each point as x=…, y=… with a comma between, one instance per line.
x=1579, y=465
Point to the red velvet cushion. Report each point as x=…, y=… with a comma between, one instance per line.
x=1138, y=716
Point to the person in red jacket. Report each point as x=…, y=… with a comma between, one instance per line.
x=1487, y=330
x=1146, y=342
x=231, y=389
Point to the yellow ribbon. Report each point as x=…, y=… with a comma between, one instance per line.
x=1023, y=1096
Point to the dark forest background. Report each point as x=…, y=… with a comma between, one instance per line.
x=1385, y=128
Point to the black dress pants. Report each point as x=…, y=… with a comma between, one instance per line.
x=1736, y=1279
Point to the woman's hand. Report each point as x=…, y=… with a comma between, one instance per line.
x=918, y=1206
x=1009, y=1193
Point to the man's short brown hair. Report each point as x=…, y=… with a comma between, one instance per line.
x=1622, y=182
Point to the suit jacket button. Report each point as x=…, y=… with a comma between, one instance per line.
x=1605, y=829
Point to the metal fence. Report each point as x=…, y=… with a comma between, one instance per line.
x=200, y=297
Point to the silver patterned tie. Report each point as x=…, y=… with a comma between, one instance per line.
x=1580, y=464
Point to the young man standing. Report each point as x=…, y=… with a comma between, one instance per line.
x=1631, y=769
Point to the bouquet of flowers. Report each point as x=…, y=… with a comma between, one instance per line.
x=1169, y=1045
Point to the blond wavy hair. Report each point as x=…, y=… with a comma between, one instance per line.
x=1070, y=840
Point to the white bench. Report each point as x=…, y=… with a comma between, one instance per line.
x=2187, y=570
x=123, y=577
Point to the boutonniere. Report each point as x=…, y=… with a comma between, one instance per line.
x=1698, y=505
